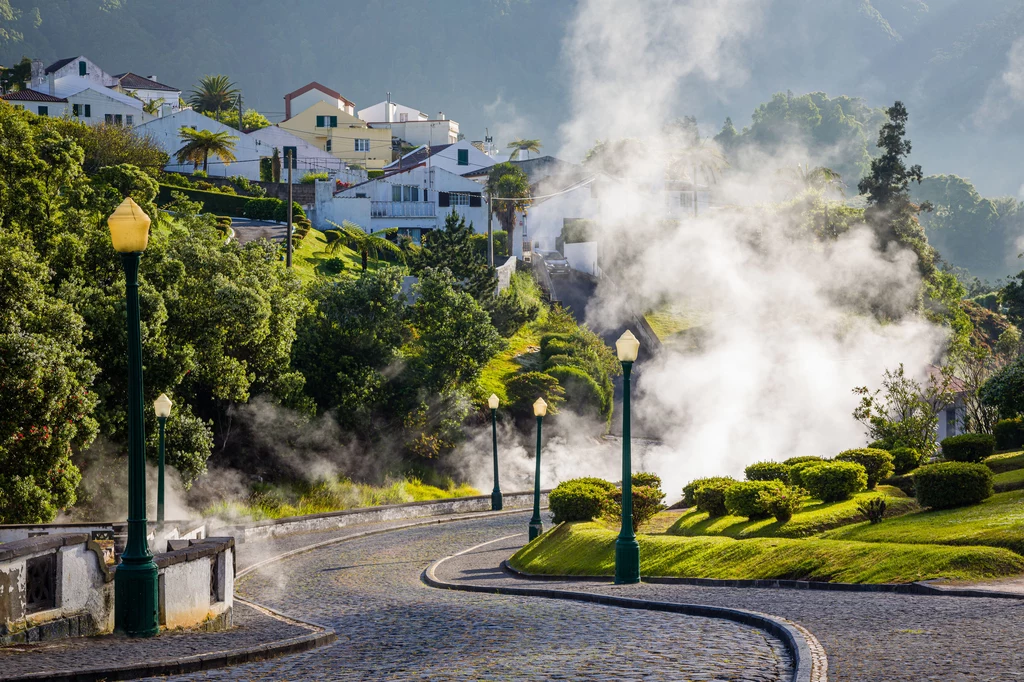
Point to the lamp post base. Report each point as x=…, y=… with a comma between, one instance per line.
x=627, y=561
x=536, y=529
x=496, y=500
x=136, y=598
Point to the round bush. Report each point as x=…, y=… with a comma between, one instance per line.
x=645, y=478
x=646, y=503
x=952, y=484
x=802, y=458
x=782, y=503
x=690, y=489
x=834, y=481
x=582, y=394
x=905, y=460
x=710, y=496
x=745, y=499
x=767, y=471
x=578, y=500
x=796, y=470
x=1009, y=433
x=969, y=447
x=877, y=463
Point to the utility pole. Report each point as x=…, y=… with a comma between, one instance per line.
x=490, y=232
x=240, y=113
x=288, y=257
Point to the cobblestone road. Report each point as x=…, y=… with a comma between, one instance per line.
x=868, y=637
x=393, y=627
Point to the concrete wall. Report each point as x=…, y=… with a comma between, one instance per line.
x=504, y=273
x=582, y=257
x=185, y=582
x=164, y=131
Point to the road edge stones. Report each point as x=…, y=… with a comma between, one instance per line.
x=810, y=663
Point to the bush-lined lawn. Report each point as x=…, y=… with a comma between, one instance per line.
x=1008, y=461
x=1010, y=480
x=812, y=518
x=996, y=522
x=589, y=549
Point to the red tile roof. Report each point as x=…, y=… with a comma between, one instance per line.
x=31, y=96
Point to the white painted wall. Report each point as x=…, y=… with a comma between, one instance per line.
x=582, y=257
x=164, y=131
x=546, y=217
x=308, y=157
x=185, y=591
x=94, y=73
x=377, y=113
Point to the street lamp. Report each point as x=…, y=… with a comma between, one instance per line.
x=135, y=582
x=627, y=550
x=492, y=402
x=540, y=408
x=162, y=407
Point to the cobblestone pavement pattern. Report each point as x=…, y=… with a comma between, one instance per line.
x=868, y=637
x=391, y=626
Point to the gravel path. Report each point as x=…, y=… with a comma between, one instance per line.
x=868, y=637
x=393, y=627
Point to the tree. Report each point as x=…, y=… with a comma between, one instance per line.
x=109, y=145
x=14, y=78
x=199, y=144
x=455, y=333
x=509, y=189
x=518, y=145
x=972, y=368
x=726, y=138
x=152, y=107
x=887, y=185
x=901, y=413
x=452, y=247
x=214, y=94
x=1004, y=390
x=366, y=244
x=251, y=119
x=817, y=179
x=275, y=165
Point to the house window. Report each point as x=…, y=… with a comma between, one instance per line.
x=327, y=146
x=686, y=200
x=44, y=111
x=396, y=192
x=118, y=119
x=81, y=69
x=463, y=157
x=292, y=153
x=109, y=119
x=459, y=198
x=88, y=111
x=74, y=110
x=410, y=193
x=951, y=420
x=362, y=145
x=334, y=121
x=326, y=121
x=129, y=119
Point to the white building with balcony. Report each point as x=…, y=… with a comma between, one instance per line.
x=415, y=200
x=411, y=125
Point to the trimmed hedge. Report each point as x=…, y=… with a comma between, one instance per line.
x=646, y=503
x=582, y=393
x=261, y=209
x=802, y=458
x=1009, y=434
x=690, y=489
x=952, y=484
x=745, y=498
x=968, y=447
x=834, y=481
x=797, y=468
x=710, y=496
x=645, y=478
x=579, y=499
x=904, y=482
x=877, y=463
x=213, y=202
x=767, y=471
x=281, y=211
x=905, y=460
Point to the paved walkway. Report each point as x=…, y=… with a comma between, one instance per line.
x=393, y=627
x=868, y=637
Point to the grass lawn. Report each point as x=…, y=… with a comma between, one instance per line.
x=309, y=260
x=589, y=549
x=509, y=361
x=813, y=518
x=996, y=522
x=1010, y=480
x=672, y=321
x=1008, y=461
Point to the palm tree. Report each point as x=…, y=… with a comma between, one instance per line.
x=819, y=178
x=365, y=243
x=152, y=107
x=214, y=94
x=519, y=145
x=703, y=157
x=199, y=144
x=508, y=191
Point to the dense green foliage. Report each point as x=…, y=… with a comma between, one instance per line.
x=878, y=464
x=767, y=471
x=873, y=508
x=952, y=484
x=797, y=468
x=709, y=495
x=212, y=202
x=1004, y=390
x=1009, y=433
x=834, y=481
x=579, y=499
x=745, y=498
x=905, y=460
x=968, y=447
x=450, y=247
x=646, y=503
x=690, y=489
x=781, y=502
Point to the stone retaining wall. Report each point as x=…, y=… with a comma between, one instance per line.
x=197, y=583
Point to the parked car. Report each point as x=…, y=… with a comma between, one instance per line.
x=555, y=262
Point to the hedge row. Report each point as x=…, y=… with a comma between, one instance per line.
x=213, y=202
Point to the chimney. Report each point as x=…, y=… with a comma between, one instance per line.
x=387, y=109
x=440, y=115
x=152, y=78
x=50, y=82
x=37, y=72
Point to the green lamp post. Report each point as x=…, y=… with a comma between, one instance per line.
x=492, y=402
x=135, y=582
x=540, y=408
x=162, y=407
x=627, y=550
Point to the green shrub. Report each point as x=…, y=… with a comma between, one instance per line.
x=205, y=186
x=834, y=481
x=175, y=180
x=952, y=484
x=710, y=495
x=331, y=266
x=690, y=489
x=582, y=394
x=579, y=500
x=802, y=458
x=281, y=211
x=518, y=304
x=226, y=189
x=645, y=478
x=877, y=463
x=968, y=447
x=266, y=169
x=608, y=486
x=646, y=503
x=796, y=470
x=310, y=177
x=555, y=346
x=781, y=503
x=524, y=389
x=370, y=174
x=905, y=460
x=873, y=509
x=904, y=482
x=213, y=202
x=261, y=209
x=1009, y=434
x=744, y=498
x=199, y=173
x=767, y=471
x=500, y=239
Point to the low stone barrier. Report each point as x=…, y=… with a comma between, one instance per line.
x=260, y=530
x=197, y=583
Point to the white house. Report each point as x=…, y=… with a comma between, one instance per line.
x=411, y=125
x=415, y=200
x=148, y=89
x=80, y=98
x=308, y=158
x=458, y=158
x=165, y=131
x=81, y=67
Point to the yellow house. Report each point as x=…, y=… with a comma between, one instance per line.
x=327, y=122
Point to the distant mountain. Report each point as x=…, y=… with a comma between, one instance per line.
x=958, y=64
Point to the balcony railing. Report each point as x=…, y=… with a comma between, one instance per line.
x=402, y=209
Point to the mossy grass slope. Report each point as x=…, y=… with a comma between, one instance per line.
x=589, y=549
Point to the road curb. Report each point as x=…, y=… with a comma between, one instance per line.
x=809, y=660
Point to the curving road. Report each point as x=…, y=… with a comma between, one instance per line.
x=391, y=626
